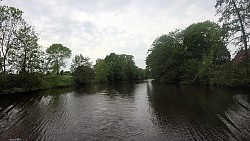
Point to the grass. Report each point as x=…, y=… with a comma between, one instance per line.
x=17, y=84
x=55, y=81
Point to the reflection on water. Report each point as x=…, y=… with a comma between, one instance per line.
x=127, y=111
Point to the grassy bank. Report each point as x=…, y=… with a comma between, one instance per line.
x=55, y=81
x=31, y=82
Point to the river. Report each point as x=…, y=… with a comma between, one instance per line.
x=127, y=111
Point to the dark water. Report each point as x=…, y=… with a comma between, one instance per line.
x=124, y=111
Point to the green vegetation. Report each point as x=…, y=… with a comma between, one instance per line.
x=235, y=16
x=54, y=81
x=57, y=54
x=84, y=75
x=119, y=68
x=198, y=54
x=26, y=67
x=14, y=83
x=195, y=55
x=79, y=60
x=113, y=68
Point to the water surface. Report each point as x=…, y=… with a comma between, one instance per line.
x=127, y=111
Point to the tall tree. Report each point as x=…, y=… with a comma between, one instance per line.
x=206, y=39
x=165, y=57
x=10, y=21
x=235, y=15
x=26, y=53
x=115, y=65
x=84, y=75
x=57, y=54
x=120, y=67
x=80, y=60
x=101, y=69
x=188, y=56
x=129, y=68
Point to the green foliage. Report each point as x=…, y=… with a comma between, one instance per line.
x=140, y=74
x=235, y=15
x=206, y=38
x=20, y=82
x=101, y=68
x=25, y=55
x=189, y=71
x=120, y=67
x=165, y=57
x=206, y=70
x=117, y=67
x=84, y=75
x=78, y=61
x=57, y=54
x=10, y=22
x=54, y=81
x=232, y=74
x=13, y=83
x=188, y=56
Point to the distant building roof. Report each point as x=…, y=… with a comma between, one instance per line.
x=240, y=56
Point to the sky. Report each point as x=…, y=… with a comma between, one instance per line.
x=96, y=28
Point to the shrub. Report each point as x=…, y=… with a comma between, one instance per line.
x=84, y=75
x=19, y=81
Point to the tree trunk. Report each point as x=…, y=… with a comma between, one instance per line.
x=24, y=61
x=4, y=64
x=243, y=31
x=57, y=67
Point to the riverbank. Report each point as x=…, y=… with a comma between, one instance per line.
x=10, y=84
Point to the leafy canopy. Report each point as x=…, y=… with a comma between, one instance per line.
x=235, y=15
x=80, y=60
x=57, y=54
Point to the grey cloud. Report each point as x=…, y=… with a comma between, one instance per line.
x=98, y=6
x=97, y=27
x=89, y=27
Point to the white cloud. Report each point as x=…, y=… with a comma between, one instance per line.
x=97, y=28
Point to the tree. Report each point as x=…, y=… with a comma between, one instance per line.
x=57, y=54
x=1, y=61
x=101, y=70
x=206, y=38
x=129, y=67
x=25, y=53
x=205, y=42
x=115, y=66
x=165, y=57
x=188, y=56
x=235, y=15
x=84, y=75
x=120, y=67
x=140, y=74
x=10, y=21
x=80, y=60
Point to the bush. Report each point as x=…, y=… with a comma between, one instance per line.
x=232, y=74
x=84, y=75
x=189, y=71
x=22, y=82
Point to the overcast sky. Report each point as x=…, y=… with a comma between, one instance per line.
x=96, y=28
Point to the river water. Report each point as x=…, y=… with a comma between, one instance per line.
x=125, y=111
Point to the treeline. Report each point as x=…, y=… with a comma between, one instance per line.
x=114, y=67
x=196, y=55
x=24, y=65
x=199, y=55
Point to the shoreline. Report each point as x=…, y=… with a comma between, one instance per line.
x=45, y=82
